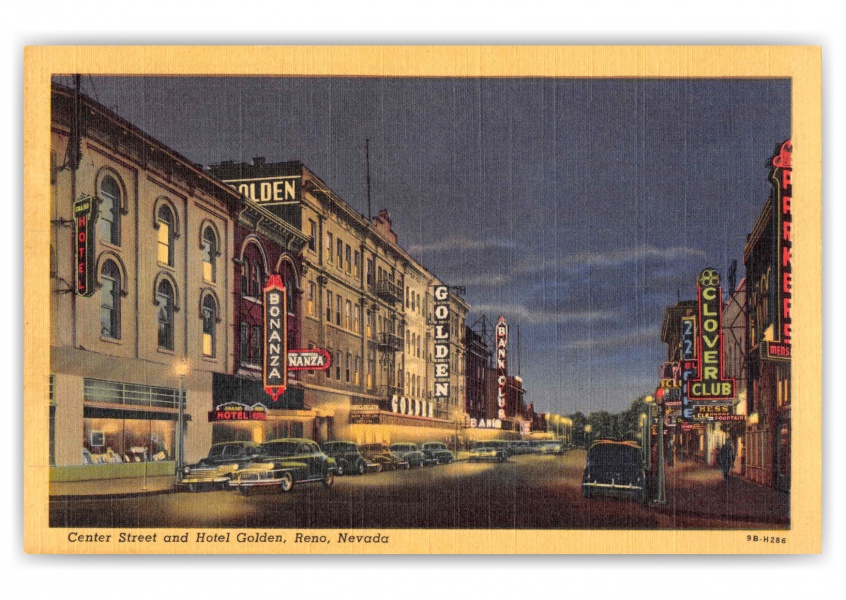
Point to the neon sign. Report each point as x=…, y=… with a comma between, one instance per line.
x=234, y=411
x=688, y=363
x=781, y=178
x=710, y=385
x=501, y=365
x=275, y=370
x=312, y=359
x=442, y=351
x=85, y=218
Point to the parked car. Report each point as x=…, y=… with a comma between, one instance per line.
x=349, y=459
x=615, y=468
x=382, y=455
x=550, y=447
x=215, y=470
x=439, y=452
x=518, y=447
x=282, y=463
x=412, y=454
x=492, y=450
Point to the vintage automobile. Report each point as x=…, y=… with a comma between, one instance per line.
x=412, y=454
x=349, y=458
x=550, y=447
x=518, y=447
x=382, y=455
x=492, y=450
x=282, y=463
x=615, y=468
x=215, y=470
x=439, y=452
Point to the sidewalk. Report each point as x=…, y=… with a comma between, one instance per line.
x=697, y=489
x=114, y=488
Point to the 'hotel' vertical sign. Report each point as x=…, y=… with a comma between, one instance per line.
x=85, y=219
x=275, y=338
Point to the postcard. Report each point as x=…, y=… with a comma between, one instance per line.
x=446, y=300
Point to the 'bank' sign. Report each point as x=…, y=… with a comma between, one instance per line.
x=275, y=338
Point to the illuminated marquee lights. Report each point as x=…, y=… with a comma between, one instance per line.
x=710, y=384
x=234, y=411
x=781, y=178
x=275, y=338
x=501, y=365
x=442, y=350
x=412, y=407
x=85, y=238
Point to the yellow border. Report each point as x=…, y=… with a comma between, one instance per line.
x=802, y=64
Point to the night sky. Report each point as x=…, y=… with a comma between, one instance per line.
x=577, y=208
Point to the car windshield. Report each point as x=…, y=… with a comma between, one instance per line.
x=279, y=448
x=615, y=454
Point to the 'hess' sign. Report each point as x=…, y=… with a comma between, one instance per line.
x=710, y=384
x=275, y=338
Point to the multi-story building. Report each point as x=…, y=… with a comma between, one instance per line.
x=769, y=286
x=141, y=243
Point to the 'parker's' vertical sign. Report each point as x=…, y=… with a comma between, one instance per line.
x=781, y=178
x=501, y=333
x=275, y=338
x=85, y=218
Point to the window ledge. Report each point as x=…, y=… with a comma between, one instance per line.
x=111, y=340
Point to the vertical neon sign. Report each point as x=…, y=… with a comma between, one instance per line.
x=501, y=365
x=275, y=338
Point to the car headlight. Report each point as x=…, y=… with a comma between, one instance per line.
x=186, y=470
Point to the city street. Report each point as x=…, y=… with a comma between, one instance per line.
x=527, y=492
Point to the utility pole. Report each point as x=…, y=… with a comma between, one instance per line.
x=367, y=168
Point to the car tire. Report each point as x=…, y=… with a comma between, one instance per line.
x=362, y=467
x=341, y=472
x=586, y=492
x=328, y=479
x=192, y=487
x=286, y=482
x=245, y=491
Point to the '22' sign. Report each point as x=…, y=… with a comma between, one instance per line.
x=688, y=361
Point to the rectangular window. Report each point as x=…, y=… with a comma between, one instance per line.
x=356, y=263
x=339, y=303
x=348, y=255
x=349, y=360
x=370, y=370
x=370, y=271
x=329, y=247
x=312, y=228
x=338, y=365
x=340, y=251
x=347, y=314
x=368, y=320
x=312, y=288
x=245, y=342
x=332, y=360
x=407, y=297
x=328, y=306
x=357, y=370
x=164, y=243
x=357, y=318
x=256, y=350
x=127, y=440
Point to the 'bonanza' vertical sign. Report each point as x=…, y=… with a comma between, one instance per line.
x=781, y=178
x=85, y=218
x=441, y=341
x=710, y=384
x=275, y=338
x=501, y=365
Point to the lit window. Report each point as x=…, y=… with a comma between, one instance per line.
x=349, y=258
x=340, y=251
x=347, y=311
x=166, y=232
x=209, y=254
x=311, y=292
x=110, y=301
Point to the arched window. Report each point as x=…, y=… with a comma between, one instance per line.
x=209, y=254
x=110, y=203
x=165, y=220
x=209, y=325
x=110, y=301
x=164, y=297
x=245, y=277
x=255, y=280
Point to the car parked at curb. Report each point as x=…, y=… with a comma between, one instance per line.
x=550, y=447
x=215, y=470
x=439, y=452
x=615, y=469
x=282, y=463
x=381, y=454
x=412, y=454
x=349, y=459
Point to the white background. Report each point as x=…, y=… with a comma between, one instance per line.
x=256, y=22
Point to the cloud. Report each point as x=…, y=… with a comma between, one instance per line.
x=613, y=258
x=633, y=338
x=527, y=315
x=456, y=244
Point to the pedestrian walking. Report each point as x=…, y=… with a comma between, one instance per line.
x=726, y=458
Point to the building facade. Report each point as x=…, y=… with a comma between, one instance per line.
x=141, y=240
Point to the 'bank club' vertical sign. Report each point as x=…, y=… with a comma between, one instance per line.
x=442, y=349
x=275, y=338
x=710, y=384
x=501, y=333
x=85, y=218
x=688, y=362
x=781, y=179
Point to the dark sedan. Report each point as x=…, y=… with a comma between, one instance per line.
x=439, y=452
x=215, y=470
x=412, y=454
x=349, y=458
x=615, y=469
x=282, y=463
x=382, y=455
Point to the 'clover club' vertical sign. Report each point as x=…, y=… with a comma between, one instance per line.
x=275, y=338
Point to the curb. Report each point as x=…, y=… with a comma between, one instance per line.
x=119, y=496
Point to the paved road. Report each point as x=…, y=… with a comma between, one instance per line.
x=527, y=492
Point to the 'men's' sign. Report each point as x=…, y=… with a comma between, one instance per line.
x=710, y=384
x=275, y=338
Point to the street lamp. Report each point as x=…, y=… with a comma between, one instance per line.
x=661, y=499
x=588, y=429
x=182, y=371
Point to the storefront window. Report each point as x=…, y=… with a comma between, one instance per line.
x=127, y=440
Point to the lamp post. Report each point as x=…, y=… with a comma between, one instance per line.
x=181, y=370
x=588, y=429
x=660, y=484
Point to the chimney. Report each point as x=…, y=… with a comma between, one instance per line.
x=382, y=224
